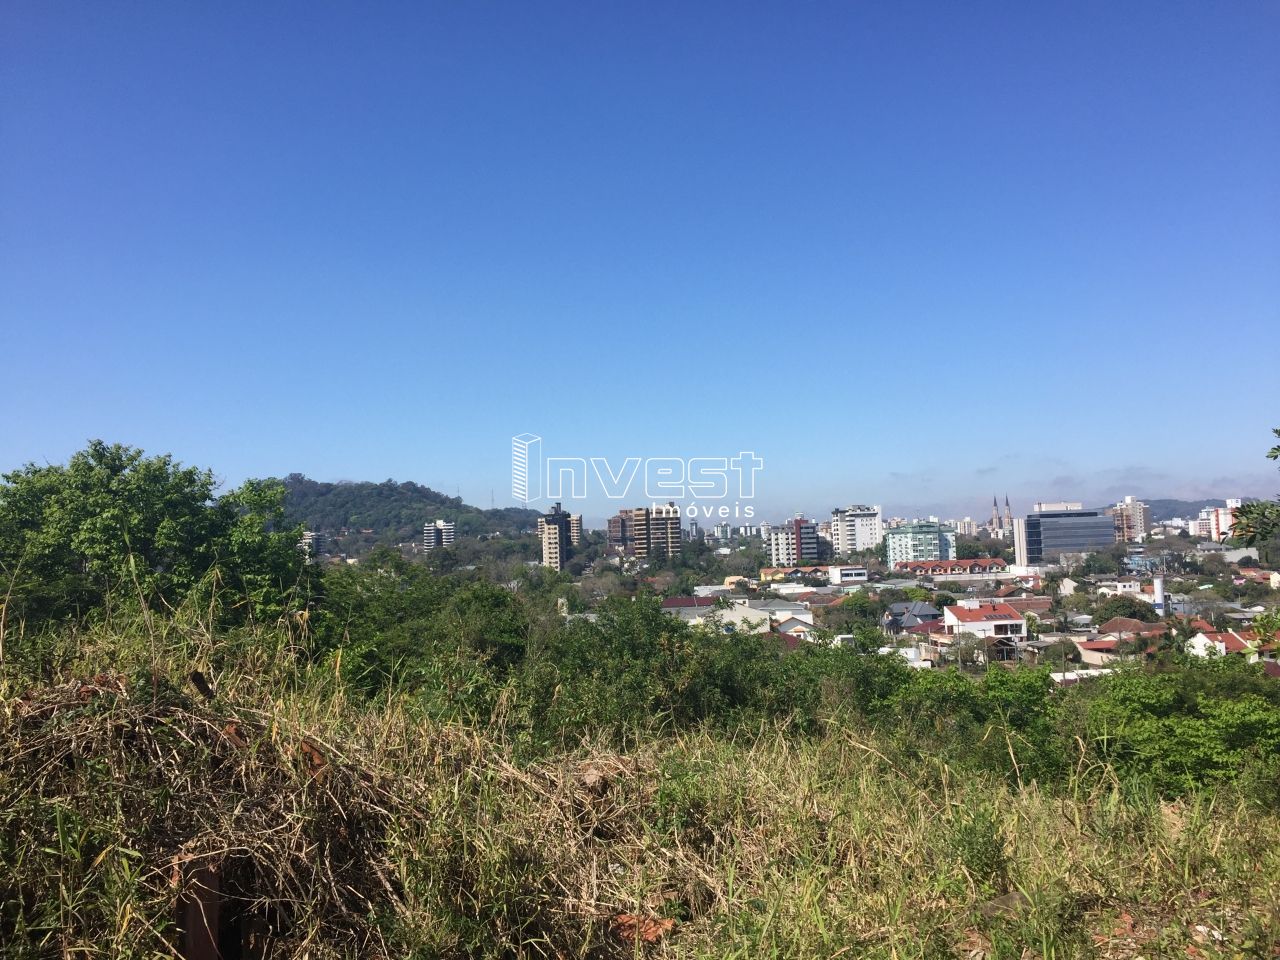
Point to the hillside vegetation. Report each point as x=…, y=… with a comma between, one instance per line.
x=394, y=511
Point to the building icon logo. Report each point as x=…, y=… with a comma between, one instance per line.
x=526, y=467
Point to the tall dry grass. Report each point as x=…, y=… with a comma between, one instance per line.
x=343, y=828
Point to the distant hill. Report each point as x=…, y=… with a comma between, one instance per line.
x=393, y=511
x=1168, y=509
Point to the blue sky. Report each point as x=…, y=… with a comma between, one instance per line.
x=908, y=253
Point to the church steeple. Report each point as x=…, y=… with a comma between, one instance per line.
x=1008, y=514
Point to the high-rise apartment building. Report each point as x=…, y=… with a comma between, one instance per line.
x=559, y=532
x=646, y=533
x=919, y=541
x=855, y=528
x=437, y=534
x=618, y=532
x=1132, y=519
x=793, y=543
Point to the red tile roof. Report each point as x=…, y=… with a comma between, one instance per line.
x=951, y=566
x=1103, y=646
x=1230, y=642
x=1132, y=625
x=929, y=626
x=984, y=612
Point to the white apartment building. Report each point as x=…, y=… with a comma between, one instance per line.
x=311, y=544
x=437, y=534
x=920, y=541
x=856, y=528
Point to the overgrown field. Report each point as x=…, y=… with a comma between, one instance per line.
x=336, y=825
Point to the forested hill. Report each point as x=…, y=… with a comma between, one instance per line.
x=390, y=508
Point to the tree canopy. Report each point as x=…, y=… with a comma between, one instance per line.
x=115, y=525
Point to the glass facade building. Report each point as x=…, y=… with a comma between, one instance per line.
x=1055, y=532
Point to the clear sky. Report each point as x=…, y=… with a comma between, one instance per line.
x=908, y=253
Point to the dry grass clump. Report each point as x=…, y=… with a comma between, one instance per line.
x=373, y=832
x=146, y=822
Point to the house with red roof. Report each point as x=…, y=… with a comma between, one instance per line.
x=1098, y=651
x=998, y=627
x=1128, y=627
x=1038, y=607
x=1268, y=578
x=944, y=568
x=1243, y=642
x=984, y=618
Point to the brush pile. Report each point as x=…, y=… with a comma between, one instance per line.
x=149, y=821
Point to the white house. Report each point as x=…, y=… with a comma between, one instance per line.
x=1121, y=587
x=985, y=619
x=1228, y=641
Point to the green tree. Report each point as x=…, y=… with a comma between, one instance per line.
x=113, y=525
x=1258, y=522
x=1122, y=606
x=965, y=647
x=1266, y=625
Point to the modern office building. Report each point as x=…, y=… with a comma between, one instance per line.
x=1047, y=534
x=919, y=541
x=855, y=528
x=793, y=542
x=646, y=532
x=559, y=532
x=437, y=534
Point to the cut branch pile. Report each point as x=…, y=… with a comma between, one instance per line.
x=246, y=838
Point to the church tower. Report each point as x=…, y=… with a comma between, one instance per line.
x=1008, y=514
